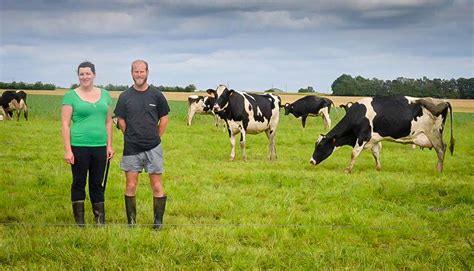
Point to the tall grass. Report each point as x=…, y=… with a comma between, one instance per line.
x=259, y=214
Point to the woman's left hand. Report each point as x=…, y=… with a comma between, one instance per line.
x=110, y=152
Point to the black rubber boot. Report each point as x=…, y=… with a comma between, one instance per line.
x=159, y=204
x=99, y=213
x=78, y=210
x=131, y=209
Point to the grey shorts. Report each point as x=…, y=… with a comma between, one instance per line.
x=151, y=161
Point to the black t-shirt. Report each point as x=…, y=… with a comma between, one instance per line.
x=141, y=111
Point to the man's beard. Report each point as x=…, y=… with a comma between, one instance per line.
x=141, y=80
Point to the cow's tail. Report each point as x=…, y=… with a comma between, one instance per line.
x=451, y=141
x=335, y=109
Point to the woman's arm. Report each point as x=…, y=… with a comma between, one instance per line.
x=108, y=126
x=66, y=114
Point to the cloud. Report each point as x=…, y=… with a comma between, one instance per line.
x=252, y=44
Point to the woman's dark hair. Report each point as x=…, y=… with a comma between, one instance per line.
x=86, y=64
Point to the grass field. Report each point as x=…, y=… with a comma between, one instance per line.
x=259, y=214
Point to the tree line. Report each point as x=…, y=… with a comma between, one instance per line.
x=27, y=86
x=110, y=87
x=461, y=88
x=344, y=85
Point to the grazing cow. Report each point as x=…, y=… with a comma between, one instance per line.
x=400, y=119
x=14, y=101
x=247, y=113
x=201, y=105
x=310, y=106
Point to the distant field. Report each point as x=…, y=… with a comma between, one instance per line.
x=459, y=105
x=254, y=215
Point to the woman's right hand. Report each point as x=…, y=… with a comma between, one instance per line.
x=69, y=157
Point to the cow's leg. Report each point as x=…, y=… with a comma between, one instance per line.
x=232, y=144
x=303, y=120
x=25, y=112
x=436, y=139
x=326, y=119
x=3, y=113
x=271, y=144
x=23, y=108
x=376, y=153
x=216, y=120
x=191, y=112
x=355, y=153
x=242, y=145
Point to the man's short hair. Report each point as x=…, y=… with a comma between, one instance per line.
x=86, y=64
x=140, y=61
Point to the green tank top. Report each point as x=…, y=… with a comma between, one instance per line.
x=88, y=119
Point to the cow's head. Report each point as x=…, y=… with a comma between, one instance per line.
x=222, y=97
x=209, y=103
x=288, y=108
x=323, y=148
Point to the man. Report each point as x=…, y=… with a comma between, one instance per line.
x=142, y=113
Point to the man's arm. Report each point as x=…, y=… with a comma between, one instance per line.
x=162, y=125
x=121, y=124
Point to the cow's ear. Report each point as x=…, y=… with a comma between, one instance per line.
x=231, y=91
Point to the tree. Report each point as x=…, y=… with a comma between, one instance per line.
x=309, y=89
x=466, y=88
x=344, y=85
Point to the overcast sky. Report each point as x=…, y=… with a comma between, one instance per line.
x=250, y=45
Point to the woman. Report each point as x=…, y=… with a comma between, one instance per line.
x=86, y=117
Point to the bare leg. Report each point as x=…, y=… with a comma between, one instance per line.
x=131, y=184
x=156, y=185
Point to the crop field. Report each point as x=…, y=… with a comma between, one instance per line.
x=259, y=214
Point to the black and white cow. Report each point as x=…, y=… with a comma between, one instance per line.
x=400, y=119
x=12, y=101
x=201, y=105
x=310, y=106
x=248, y=113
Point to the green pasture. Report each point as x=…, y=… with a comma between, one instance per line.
x=258, y=214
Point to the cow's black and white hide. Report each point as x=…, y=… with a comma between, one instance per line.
x=14, y=101
x=403, y=119
x=248, y=113
x=310, y=105
x=198, y=104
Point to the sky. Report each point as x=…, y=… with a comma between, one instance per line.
x=247, y=45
